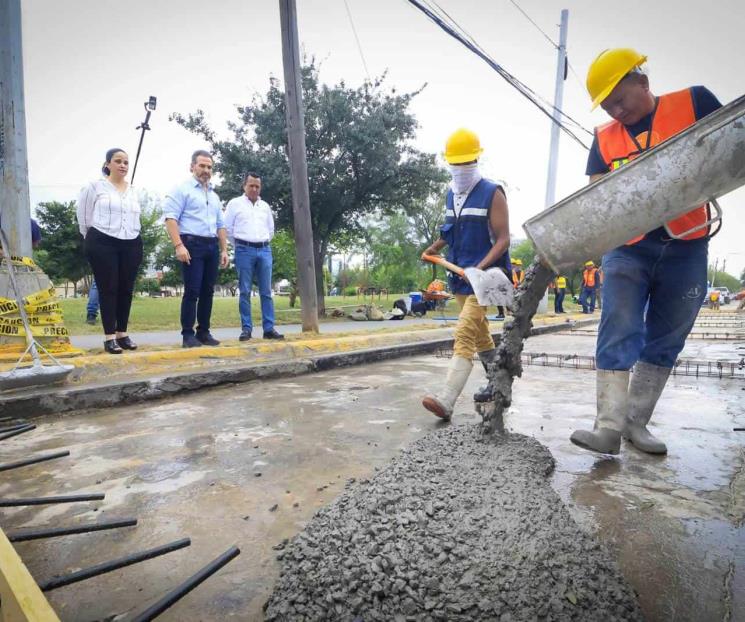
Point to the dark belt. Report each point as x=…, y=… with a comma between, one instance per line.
x=200, y=238
x=251, y=244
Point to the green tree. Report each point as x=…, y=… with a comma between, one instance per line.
x=151, y=229
x=426, y=220
x=360, y=158
x=284, y=264
x=523, y=250
x=723, y=279
x=394, y=261
x=60, y=253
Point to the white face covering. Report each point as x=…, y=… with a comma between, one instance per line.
x=465, y=177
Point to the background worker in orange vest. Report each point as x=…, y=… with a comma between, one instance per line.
x=518, y=276
x=665, y=268
x=741, y=297
x=590, y=283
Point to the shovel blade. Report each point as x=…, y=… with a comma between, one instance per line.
x=492, y=287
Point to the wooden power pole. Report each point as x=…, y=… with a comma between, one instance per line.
x=14, y=194
x=306, y=272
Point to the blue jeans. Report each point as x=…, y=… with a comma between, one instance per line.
x=199, y=283
x=587, y=299
x=559, y=300
x=92, y=308
x=255, y=262
x=668, y=278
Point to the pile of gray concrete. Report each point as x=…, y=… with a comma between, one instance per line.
x=455, y=528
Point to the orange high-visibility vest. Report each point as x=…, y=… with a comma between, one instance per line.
x=518, y=276
x=588, y=277
x=673, y=114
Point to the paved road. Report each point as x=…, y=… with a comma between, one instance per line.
x=173, y=337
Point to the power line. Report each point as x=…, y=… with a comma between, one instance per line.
x=446, y=23
x=549, y=39
x=356, y=38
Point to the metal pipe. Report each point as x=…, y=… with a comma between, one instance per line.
x=701, y=163
x=9, y=503
x=13, y=427
x=187, y=586
x=114, y=564
x=20, y=463
x=17, y=431
x=23, y=535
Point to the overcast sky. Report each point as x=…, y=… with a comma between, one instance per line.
x=89, y=66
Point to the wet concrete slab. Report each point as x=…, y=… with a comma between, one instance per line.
x=214, y=464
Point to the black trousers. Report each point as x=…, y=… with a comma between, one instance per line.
x=115, y=264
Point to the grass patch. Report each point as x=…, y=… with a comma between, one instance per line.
x=162, y=314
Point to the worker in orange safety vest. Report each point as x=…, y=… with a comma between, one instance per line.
x=654, y=284
x=590, y=285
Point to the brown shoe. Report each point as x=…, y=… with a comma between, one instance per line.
x=433, y=405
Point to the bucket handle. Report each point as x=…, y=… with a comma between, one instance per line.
x=716, y=218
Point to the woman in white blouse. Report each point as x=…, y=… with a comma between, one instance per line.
x=109, y=220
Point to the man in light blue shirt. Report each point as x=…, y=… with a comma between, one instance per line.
x=193, y=214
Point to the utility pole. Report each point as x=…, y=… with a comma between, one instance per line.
x=553, y=158
x=298, y=166
x=14, y=195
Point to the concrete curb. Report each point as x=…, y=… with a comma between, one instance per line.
x=65, y=399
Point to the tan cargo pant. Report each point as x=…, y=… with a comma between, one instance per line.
x=472, y=332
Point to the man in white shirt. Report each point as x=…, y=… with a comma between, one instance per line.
x=250, y=226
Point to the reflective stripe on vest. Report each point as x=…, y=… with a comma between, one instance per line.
x=673, y=114
x=588, y=277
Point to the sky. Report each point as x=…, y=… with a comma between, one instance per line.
x=90, y=65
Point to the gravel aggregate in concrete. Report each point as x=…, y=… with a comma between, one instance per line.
x=457, y=527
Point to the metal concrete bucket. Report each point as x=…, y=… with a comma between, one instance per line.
x=705, y=161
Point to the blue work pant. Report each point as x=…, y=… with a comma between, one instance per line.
x=253, y=262
x=668, y=278
x=200, y=275
x=587, y=299
x=559, y=300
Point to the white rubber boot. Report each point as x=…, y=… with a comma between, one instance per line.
x=612, y=399
x=647, y=383
x=487, y=357
x=442, y=403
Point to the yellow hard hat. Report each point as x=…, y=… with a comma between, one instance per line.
x=517, y=262
x=608, y=69
x=462, y=146
x=589, y=263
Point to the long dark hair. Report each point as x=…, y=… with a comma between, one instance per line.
x=110, y=154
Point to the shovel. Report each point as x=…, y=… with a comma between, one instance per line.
x=492, y=287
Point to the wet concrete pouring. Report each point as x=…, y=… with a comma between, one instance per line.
x=252, y=464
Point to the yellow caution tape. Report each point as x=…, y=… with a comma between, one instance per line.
x=24, y=261
x=37, y=298
x=10, y=330
x=33, y=320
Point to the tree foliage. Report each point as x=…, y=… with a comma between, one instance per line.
x=723, y=279
x=360, y=160
x=60, y=253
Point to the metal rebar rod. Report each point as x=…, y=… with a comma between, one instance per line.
x=12, y=433
x=187, y=586
x=114, y=564
x=9, y=503
x=15, y=426
x=23, y=535
x=43, y=458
